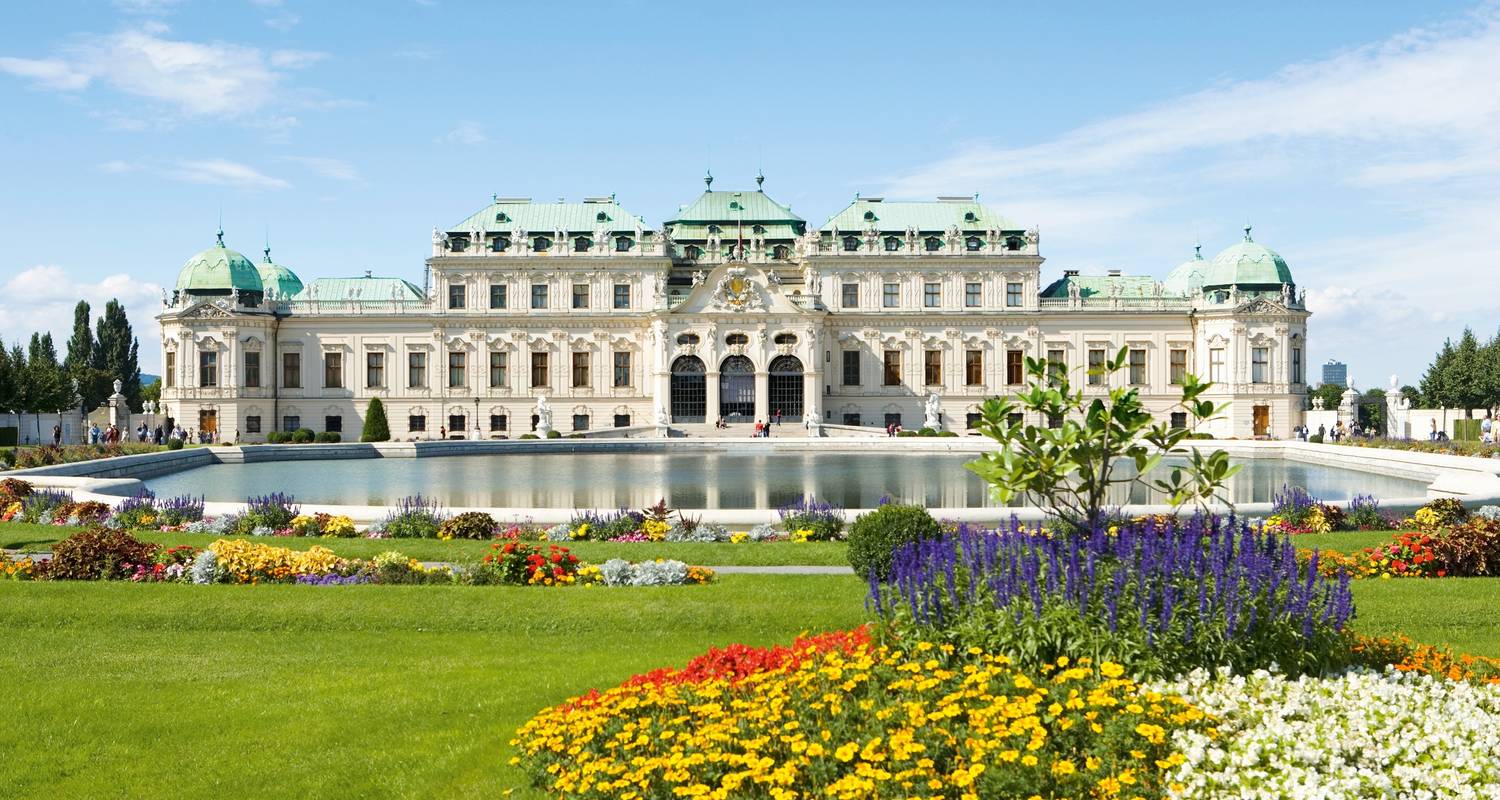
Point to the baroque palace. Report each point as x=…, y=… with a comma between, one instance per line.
x=888, y=312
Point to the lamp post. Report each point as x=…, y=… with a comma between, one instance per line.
x=476, y=419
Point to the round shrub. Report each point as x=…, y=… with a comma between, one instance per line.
x=469, y=525
x=528, y=436
x=98, y=554
x=554, y=434
x=303, y=436
x=945, y=434
x=328, y=437
x=926, y=432
x=174, y=444
x=906, y=433
x=874, y=537
x=276, y=437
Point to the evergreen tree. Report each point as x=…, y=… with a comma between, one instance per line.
x=1465, y=379
x=9, y=380
x=376, y=429
x=152, y=391
x=89, y=382
x=45, y=388
x=1434, y=386
x=119, y=352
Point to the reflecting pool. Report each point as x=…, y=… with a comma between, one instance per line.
x=726, y=479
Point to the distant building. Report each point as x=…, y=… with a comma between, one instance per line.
x=1336, y=373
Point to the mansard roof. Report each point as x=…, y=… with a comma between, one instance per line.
x=931, y=215
x=366, y=289
x=728, y=208
x=520, y=213
x=1101, y=285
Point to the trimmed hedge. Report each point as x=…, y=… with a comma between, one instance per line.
x=874, y=537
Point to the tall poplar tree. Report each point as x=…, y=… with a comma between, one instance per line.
x=45, y=388
x=1465, y=381
x=89, y=382
x=1434, y=383
x=10, y=381
x=119, y=352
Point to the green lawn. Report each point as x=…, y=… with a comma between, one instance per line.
x=1343, y=541
x=20, y=536
x=125, y=690
x=1457, y=612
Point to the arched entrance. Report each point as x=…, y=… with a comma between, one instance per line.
x=737, y=389
x=786, y=387
x=689, y=390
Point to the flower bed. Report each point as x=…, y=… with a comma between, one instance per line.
x=661, y=572
x=846, y=718
x=1362, y=734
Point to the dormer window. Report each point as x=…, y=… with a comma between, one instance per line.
x=693, y=252
x=582, y=244
x=973, y=244
x=1014, y=243
x=869, y=216
x=502, y=217
x=758, y=229
x=713, y=229
x=622, y=244
x=851, y=244
x=892, y=244
x=969, y=216
x=736, y=339
x=458, y=244
x=601, y=217
x=499, y=244
x=541, y=244
x=781, y=252
x=932, y=243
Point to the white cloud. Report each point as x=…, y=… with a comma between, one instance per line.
x=326, y=167
x=194, y=78
x=468, y=133
x=46, y=73
x=41, y=299
x=283, y=22
x=225, y=173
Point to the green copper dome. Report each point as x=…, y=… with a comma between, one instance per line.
x=1187, y=278
x=278, y=280
x=1247, y=264
x=219, y=270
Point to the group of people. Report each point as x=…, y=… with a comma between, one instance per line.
x=1339, y=433
x=893, y=428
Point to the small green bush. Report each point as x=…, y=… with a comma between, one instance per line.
x=276, y=437
x=1316, y=438
x=554, y=434
x=528, y=436
x=874, y=537
x=174, y=444
x=303, y=436
x=947, y=434
x=376, y=428
x=469, y=525
x=906, y=433
x=926, y=432
x=328, y=437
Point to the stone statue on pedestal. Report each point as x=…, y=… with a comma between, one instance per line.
x=933, y=413
x=543, y=416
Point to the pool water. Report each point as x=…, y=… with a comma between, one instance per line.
x=718, y=480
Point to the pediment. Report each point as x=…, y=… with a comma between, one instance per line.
x=737, y=287
x=1261, y=305
x=207, y=309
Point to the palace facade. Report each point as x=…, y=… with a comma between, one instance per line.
x=734, y=307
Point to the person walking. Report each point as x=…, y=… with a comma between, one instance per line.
x=778, y=417
x=56, y=435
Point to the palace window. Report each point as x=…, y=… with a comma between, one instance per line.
x=971, y=295
x=1137, y=367
x=623, y=244
x=851, y=419
x=890, y=295
x=169, y=378
x=622, y=295
x=1177, y=371
x=972, y=420
x=893, y=418
x=601, y=217
x=333, y=424
x=457, y=424
x=851, y=295
x=333, y=370
x=851, y=244
x=456, y=295
x=499, y=244
x=714, y=229
x=1014, y=243
x=1013, y=294
x=374, y=370
x=622, y=369
x=739, y=339
x=291, y=370
x=580, y=370
x=688, y=338
x=499, y=295
x=208, y=368
x=291, y=422
x=1259, y=361
x=416, y=370
x=932, y=367
x=582, y=244
x=973, y=244
x=499, y=422
x=457, y=362
x=781, y=252
x=973, y=367
x=892, y=244
x=1096, y=366
x=692, y=252
x=1216, y=365
x=758, y=229
x=499, y=366
x=458, y=244
x=541, y=244
x=252, y=370
x=933, y=244
x=1015, y=367
x=892, y=368
x=580, y=422
x=252, y=423
x=1057, y=366
x=580, y=295
x=622, y=420
x=932, y=295
x=869, y=216
x=1179, y=419
x=1296, y=365
x=538, y=370
x=416, y=423
x=539, y=295
x=785, y=338
x=969, y=216
x=851, y=367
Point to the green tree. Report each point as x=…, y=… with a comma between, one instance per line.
x=11, y=380
x=1434, y=383
x=119, y=352
x=376, y=429
x=1465, y=379
x=1071, y=467
x=45, y=388
x=1371, y=411
x=90, y=384
x=152, y=391
x=1331, y=393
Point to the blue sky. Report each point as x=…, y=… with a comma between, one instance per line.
x=1362, y=140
